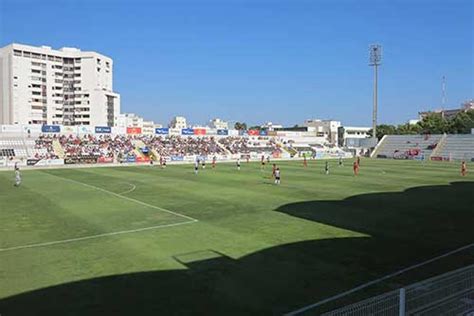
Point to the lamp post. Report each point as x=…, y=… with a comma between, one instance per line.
x=375, y=59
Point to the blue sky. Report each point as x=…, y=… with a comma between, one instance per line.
x=262, y=60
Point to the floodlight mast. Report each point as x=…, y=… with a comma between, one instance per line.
x=375, y=59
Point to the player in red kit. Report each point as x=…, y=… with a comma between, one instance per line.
x=355, y=168
x=463, y=168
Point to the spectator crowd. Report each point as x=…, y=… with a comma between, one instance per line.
x=120, y=146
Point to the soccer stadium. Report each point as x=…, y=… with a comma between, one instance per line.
x=103, y=212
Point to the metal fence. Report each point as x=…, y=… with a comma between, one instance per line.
x=447, y=294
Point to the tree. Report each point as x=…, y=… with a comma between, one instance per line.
x=434, y=123
x=384, y=129
x=409, y=129
x=462, y=123
x=240, y=126
x=255, y=127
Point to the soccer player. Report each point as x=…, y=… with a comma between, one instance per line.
x=214, y=159
x=355, y=168
x=248, y=158
x=326, y=167
x=238, y=164
x=196, y=166
x=17, y=176
x=268, y=159
x=274, y=167
x=203, y=163
x=164, y=163
x=305, y=163
x=358, y=161
x=277, y=176
x=263, y=163
x=463, y=168
x=341, y=163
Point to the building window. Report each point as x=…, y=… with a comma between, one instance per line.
x=17, y=52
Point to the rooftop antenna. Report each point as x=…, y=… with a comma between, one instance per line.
x=375, y=60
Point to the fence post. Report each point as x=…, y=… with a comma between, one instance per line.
x=402, y=302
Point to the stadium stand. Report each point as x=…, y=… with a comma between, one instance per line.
x=456, y=147
x=12, y=147
x=146, y=147
x=52, y=146
x=407, y=146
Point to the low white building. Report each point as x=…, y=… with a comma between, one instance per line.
x=324, y=128
x=41, y=85
x=217, y=123
x=125, y=120
x=178, y=122
x=271, y=126
x=355, y=137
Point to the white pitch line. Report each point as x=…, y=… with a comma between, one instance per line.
x=388, y=276
x=122, y=232
x=130, y=190
x=126, y=198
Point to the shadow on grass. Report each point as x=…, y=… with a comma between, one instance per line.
x=404, y=228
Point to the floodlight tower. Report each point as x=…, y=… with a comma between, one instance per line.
x=443, y=93
x=375, y=59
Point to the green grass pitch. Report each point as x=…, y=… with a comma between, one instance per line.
x=147, y=241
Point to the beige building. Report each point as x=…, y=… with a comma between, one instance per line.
x=178, y=122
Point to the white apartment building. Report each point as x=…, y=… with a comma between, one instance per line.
x=217, y=123
x=178, y=122
x=40, y=85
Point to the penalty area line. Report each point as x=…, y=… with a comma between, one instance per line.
x=388, y=276
x=133, y=187
x=126, y=198
x=70, y=240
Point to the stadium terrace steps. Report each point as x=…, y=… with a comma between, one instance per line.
x=58, y=149
x=439, y=147
x=138, y=144
x=394, y=145
x=458, y=147
x=223, y=148
x=13, y=147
